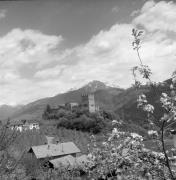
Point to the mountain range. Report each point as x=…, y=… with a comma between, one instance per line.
x=104, y=96
x=121, y=101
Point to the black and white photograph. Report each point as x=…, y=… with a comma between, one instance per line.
x=87, y=90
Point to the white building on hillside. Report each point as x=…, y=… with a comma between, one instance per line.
x=23, y=125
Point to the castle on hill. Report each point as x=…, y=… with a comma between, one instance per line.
x=88, y=100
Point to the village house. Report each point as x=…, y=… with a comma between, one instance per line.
x=30, y=125
x=16, y=125
x=22, y=125
x=53, y=151
x=72, y=105
x=55, y=155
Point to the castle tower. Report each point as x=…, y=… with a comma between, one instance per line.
x=91, y=100
x=88, y=100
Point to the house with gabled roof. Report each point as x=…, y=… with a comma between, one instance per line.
x=53, y=151
x=16, y=125
x=30, y=125
x=21, y=125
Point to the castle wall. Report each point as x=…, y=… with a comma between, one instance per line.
x=85, y=101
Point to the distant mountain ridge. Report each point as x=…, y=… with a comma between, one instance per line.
x=104, y=95
x=94, y=86
x=122, y=102
x=7, y=110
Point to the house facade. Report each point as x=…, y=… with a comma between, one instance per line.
x=23, y=125
x=18, y=126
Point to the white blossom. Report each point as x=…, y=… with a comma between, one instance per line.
x=152, y=132
x=149, y=108
x=135, y=135
x=115, y=131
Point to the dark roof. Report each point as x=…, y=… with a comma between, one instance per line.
x=15, y=123
x=51, y=150
x=32, y=121
x=23, y=122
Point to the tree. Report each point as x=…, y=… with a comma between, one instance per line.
x=8, y=164
x=48, y=108
x=168, y=102
x=47, y=111
x=122, y=154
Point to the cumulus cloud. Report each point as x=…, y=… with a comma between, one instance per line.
x=135, y=12
x=159, y=16
x=22, y=52
x=32, y=68
x=20, y=47
x=103, y=57
x=158, y=50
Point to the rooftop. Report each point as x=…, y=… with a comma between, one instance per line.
x=71, y=162
x=23, y=122
x=51, y=150
x=16, y=123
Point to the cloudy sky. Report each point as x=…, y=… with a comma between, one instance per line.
x=48, y=47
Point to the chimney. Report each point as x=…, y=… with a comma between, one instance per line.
x=49, y=139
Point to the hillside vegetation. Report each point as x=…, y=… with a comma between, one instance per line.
x=80, y=119
x=104, y=96
x=126, y=104
x=121, y=102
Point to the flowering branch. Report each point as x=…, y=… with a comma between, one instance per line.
x=167, y=102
